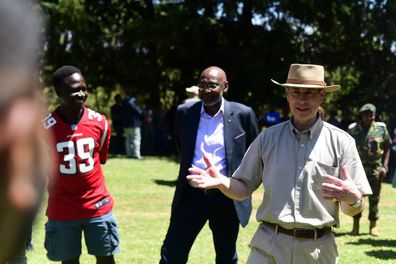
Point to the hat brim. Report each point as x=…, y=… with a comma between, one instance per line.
x=192, y=89
x=328, y=88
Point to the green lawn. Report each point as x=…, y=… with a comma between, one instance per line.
x=143, y=192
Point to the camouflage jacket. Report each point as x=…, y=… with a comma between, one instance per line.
x=371, y=143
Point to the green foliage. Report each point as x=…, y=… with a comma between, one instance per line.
x=143, y=192
x=150, y=48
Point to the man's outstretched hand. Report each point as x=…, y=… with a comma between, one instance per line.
x=206, y=179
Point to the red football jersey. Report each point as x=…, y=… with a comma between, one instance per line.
x=78, y=190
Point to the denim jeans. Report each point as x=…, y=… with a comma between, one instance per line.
x=132, y=141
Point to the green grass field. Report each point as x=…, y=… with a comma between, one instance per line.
x=143, y=192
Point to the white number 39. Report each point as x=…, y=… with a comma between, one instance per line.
x=83, y=148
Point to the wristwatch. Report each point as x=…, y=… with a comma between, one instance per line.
x=357, y=204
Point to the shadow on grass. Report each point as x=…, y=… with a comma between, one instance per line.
x=165, y=182
x=340, y=234
x=375, y=242
x=382, y=254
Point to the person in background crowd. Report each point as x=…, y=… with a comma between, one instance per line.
x=148, y=129
x=270, y=118
x=333, y=118
x=309, y=169
x=170, y=124
x=132, y=132
x=322, y=112
x=373, y=143
x=222, y=130
x=285, y=113
x=392, y=155
x=24, y=163
x=192, y=94
x=78, y=200
x=346, y=119
x=161, y=141
x=117, y=112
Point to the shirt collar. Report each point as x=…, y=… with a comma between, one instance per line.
x=313, y=131
x=221, y=110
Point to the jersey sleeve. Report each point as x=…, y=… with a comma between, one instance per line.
x=104, y=141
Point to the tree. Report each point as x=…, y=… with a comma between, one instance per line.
x=154, y=49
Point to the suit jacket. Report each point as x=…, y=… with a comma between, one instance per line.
x=240, y=129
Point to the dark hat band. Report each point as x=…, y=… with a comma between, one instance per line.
x=311, y=82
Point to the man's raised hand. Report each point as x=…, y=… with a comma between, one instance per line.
x=206, y=179
x=343, y=190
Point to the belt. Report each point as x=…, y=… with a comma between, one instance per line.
x=299, y=232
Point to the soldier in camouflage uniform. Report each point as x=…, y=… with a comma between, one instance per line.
x=373, y=143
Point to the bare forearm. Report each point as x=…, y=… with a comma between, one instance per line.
x=234, y=189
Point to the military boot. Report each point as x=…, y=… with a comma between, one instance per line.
x=373, y=228
x=355, y=229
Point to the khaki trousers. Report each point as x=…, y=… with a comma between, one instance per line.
x=267, y=247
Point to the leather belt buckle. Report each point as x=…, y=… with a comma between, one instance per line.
x=303, y=233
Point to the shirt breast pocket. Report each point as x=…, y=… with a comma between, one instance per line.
x=319, y=170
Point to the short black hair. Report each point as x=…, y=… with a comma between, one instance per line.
x=61, y=73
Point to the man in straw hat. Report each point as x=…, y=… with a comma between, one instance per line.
x=308, y=168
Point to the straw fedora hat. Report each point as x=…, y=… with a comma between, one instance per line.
x=307, y=76
x=193, y=89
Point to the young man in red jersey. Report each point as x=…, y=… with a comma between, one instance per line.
x=78, y=198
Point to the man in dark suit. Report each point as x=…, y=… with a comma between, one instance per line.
x=221, y=131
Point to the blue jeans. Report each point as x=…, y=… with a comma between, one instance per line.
x=132, y=141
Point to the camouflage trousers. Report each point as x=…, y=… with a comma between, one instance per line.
x=375, y=183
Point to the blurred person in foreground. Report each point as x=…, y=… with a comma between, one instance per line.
x=78, y=200
x=309, y=170
x=222, y=130
x=24, y=162
x=373, y=143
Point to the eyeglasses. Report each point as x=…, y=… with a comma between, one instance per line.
x=210, y=85
x=309, y=95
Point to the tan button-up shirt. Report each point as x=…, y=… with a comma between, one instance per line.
x=291, y=164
